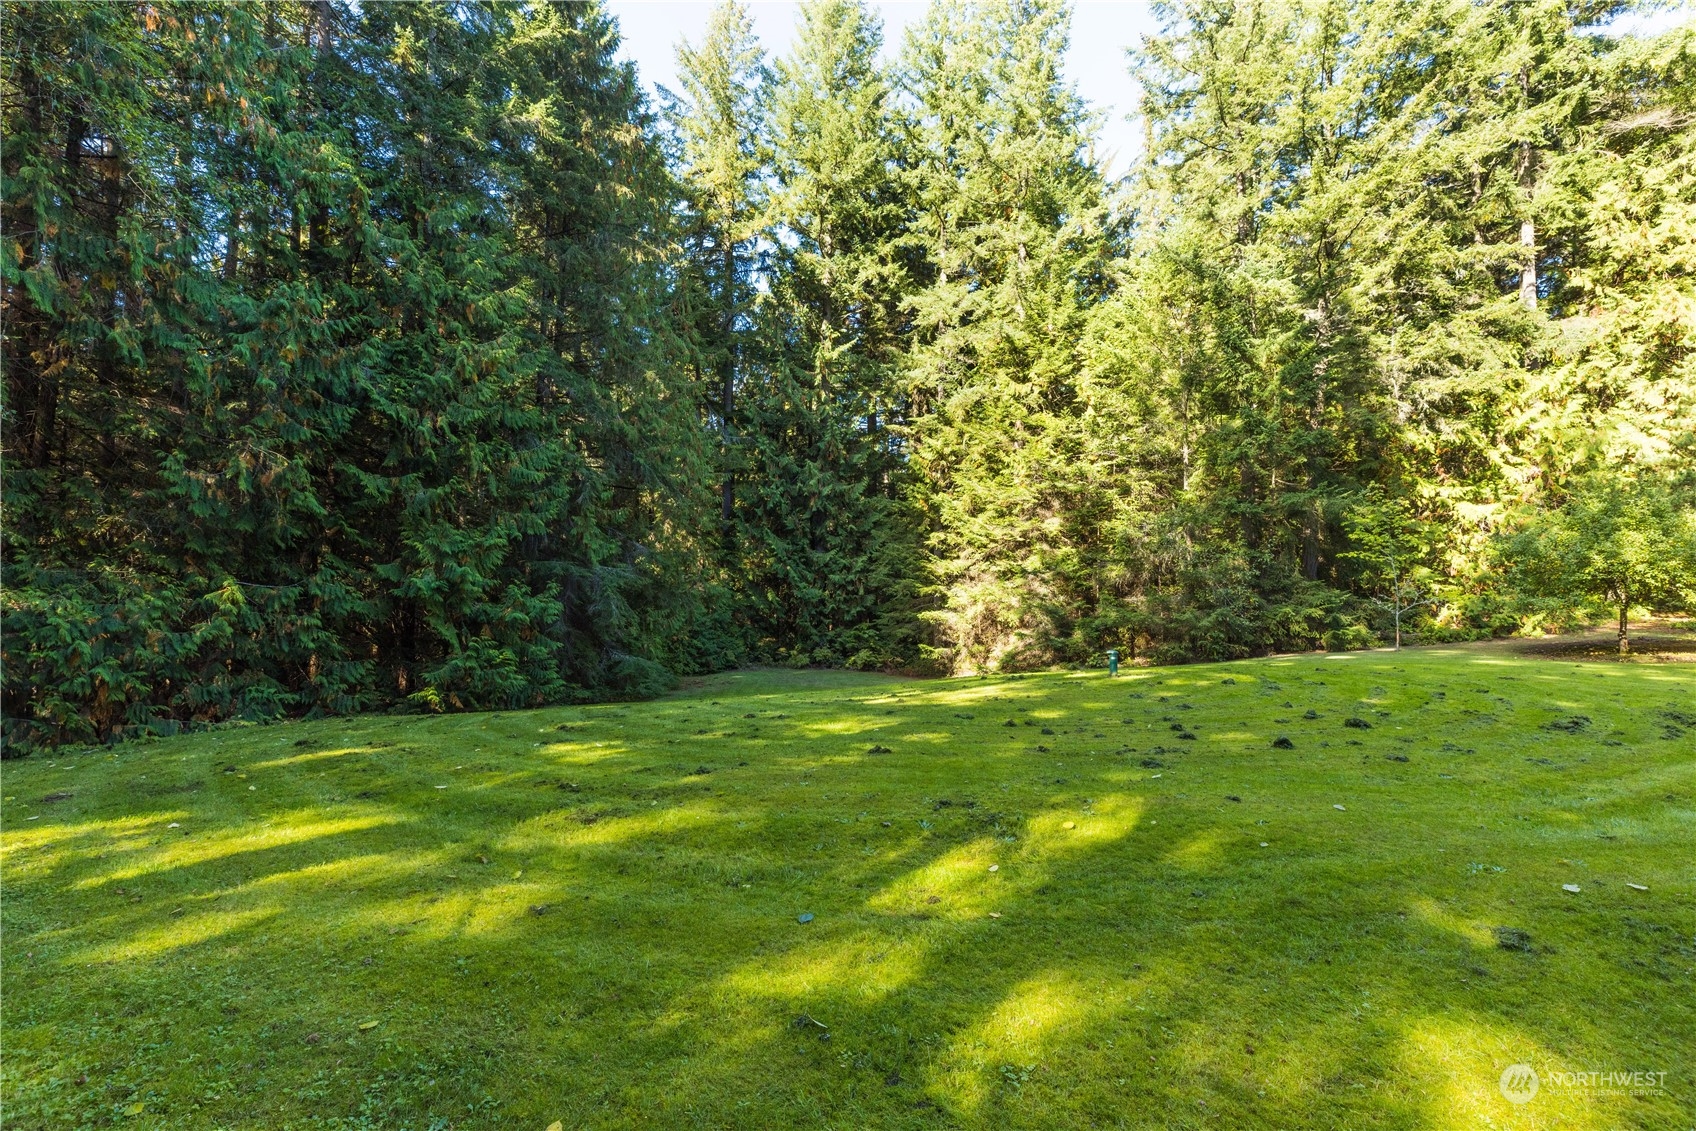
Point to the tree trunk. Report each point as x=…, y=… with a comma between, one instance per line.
x=1312, y=520
x=1528, y=229
x=727, y=376
x=1528, y=264
x=43, y=421
x=1184, y=417
x=1245, y=212
x=1624, y=634
x=232, y=245
x=1310, y=543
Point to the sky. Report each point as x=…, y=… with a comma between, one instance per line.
x=1096, y=63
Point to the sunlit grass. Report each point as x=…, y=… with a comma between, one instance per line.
x=1034, y=903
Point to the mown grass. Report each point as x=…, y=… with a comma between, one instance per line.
x=591, y=914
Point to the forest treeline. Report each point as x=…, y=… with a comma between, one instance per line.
x=365, y=355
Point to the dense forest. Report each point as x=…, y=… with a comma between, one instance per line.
x=405, y=355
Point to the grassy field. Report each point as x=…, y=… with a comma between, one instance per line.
x=1052, y=901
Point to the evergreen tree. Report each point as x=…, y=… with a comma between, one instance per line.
x=339, y=356
x=1618, y=385
x=1012, y=216
x=362, y=355
x=718, y=125
x=607, y=356
x=1333, y=286
x=155, y=475
x=827, y=543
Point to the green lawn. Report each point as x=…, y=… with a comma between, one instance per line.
x=1052, y=901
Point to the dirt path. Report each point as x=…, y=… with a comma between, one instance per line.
x=1662, y=642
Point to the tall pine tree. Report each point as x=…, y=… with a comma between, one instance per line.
x=828, y=550
x=1011, y=212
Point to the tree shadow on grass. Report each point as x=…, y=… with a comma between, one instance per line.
x=600, y=935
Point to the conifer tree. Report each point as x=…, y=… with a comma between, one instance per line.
x=605, y=359
x=1012, y=217
x=340, y=356
x=828, y=549
x=361, y=355
x=719, y=133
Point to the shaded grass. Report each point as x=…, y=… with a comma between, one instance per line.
x=590, y=914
